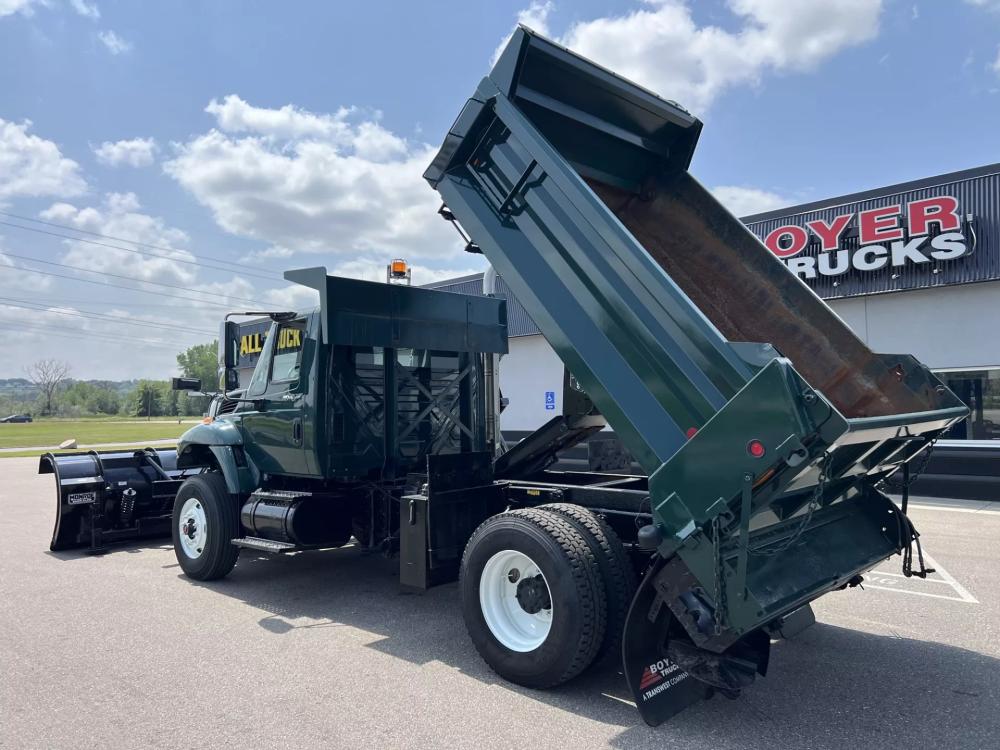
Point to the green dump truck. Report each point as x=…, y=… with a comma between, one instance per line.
x=763, y=425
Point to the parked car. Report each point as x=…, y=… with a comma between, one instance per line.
x=17, y=418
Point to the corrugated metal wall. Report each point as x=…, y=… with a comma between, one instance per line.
x=978, y=195
x=518, y=322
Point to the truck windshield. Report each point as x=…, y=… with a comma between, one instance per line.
x=280, y=358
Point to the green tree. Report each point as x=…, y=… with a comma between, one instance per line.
x=168, y=400
x=145, y=399
x=105, y=401
x=90, y=398
x=201, y=361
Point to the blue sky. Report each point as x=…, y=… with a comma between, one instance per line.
x=276, y=135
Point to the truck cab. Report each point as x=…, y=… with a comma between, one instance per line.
x=277, y=416
x=363, y=388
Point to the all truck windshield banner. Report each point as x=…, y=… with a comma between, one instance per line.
x=254, y=334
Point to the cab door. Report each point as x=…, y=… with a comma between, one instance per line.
x=274, y=428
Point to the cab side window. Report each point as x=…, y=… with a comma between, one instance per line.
x=287, y=352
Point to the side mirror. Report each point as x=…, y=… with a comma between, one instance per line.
x=229, y=342
x=185, y=384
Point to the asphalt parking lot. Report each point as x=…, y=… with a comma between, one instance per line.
x=321, y=649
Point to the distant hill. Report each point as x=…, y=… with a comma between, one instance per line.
x=21, y=387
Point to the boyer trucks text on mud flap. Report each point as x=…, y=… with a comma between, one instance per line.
x=763, y=423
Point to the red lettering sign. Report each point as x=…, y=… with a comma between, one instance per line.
x=876, y=226
x=942, y=211
x=879, y=225
x=830, y=233
x=798, y=237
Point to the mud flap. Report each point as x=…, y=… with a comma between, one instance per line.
x=667, y=672
x=659, y=686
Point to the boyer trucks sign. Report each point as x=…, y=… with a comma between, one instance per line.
x=888, y=237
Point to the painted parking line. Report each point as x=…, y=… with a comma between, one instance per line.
x=982, y=509
x=947, y=587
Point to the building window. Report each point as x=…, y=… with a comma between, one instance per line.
x=980, y=390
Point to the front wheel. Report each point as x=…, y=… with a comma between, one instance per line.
x=532, y=597
x=205, y=522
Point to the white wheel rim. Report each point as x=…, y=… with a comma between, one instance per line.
x=193, y=528
x=514, y=626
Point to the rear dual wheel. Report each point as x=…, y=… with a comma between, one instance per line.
x=534, y=597
x=614, y=566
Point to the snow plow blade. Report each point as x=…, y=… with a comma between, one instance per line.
x=110, y=497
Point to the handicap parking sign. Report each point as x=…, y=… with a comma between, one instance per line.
x=550, y=400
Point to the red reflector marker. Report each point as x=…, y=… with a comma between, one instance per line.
x=691, y=432
x=756, y=449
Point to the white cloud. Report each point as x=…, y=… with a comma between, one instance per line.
x=745, y=201
x=292, y=297
x=662, y=47
x=334, y=183
x=367, y=139
x=13, y=283
x=535, y=17
x=27, y=7
x=115, y=44
x=33, y=166
x=24, y=7
x=85, y=9
x=137, y=152
x=119, y=354
x=120, y=216
x=987, y=4
x=275, y=252
x=234, y=115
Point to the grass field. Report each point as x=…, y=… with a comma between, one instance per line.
x=116, y=418
x=85, y=432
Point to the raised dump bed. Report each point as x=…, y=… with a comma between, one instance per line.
x=764, y=423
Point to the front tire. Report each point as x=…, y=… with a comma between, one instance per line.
x=532, y=597
x=205, y=521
